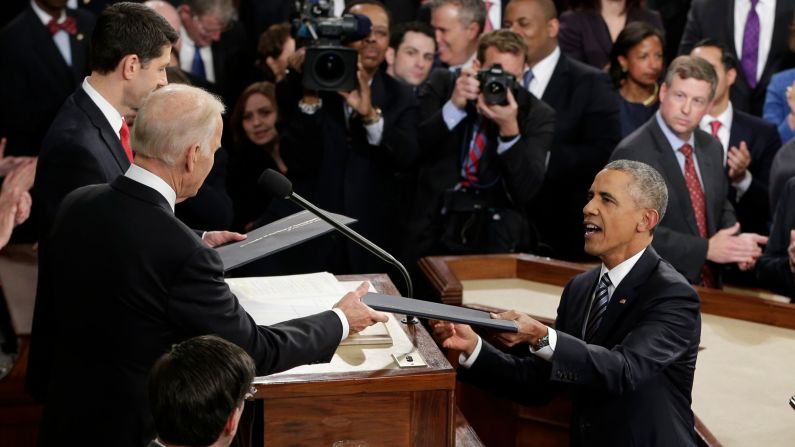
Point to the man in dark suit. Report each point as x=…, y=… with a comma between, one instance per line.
x=587, y=127
x=776, y=268
x=346, y=151
x=44, y=57
x=749, y=143
x=86, y=143
x=700, y=230
x=132, y=280
x=481, y=162
x=626, y=336
x=760, y=57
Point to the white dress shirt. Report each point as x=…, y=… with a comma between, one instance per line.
x=766, y=10
x=542, y=73
x=108, y=111
x=495, y=14
x=724, y=135
x=186, y=56
x=61, y=38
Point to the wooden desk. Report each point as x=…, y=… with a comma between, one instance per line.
x=743, y=375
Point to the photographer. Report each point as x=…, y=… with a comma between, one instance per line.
x=483, y=160
x=346, y=149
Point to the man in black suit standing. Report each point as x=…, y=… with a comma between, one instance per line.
x=88, y=142
x=749, y=143
x=626, y=336
x=700, y=231
x=481, y=162
x=756, y=32
x=587, y=127
x=44, y=57
x=132, y=280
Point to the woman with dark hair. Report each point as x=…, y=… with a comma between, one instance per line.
x=256, y=148
x=588, y=31
x=636, y=63
x=275, y=47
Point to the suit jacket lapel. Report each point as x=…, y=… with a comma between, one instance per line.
x=46, y=48
x=558, y=81
x=108, y=135
x=706, y=167
x=578, y=311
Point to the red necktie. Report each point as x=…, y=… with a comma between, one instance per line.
x=476, y=151
x=715, y=125
x=69, y=25
x=124, y=133
x=699, y=206
x=488, y=26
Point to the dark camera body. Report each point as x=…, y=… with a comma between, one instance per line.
x=330, y=68
x=494, y=84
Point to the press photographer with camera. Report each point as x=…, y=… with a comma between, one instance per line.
x=484, y=140
x=346, y=148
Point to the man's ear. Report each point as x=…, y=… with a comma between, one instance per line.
x=553, y=28
x=390, y=56
x=731, y=76
x=649, y=220
x=191, y=157
x=476, y=64
x=130, y=64
x=473, y=30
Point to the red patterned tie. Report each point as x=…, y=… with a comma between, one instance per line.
x=699, y=206
x=470, y=169
x=124, y=133
x=715, y=125
x=69, y=25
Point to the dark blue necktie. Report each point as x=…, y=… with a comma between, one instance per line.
x=598, y=307
x=197, y=66
x=528, y=78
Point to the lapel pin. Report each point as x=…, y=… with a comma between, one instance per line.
x=79, y=36
x=622, y=301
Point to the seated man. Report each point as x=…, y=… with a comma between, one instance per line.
x=626, y=336
x=482, y=162
x=776, y=268
x=196, y=392
x=132, y=280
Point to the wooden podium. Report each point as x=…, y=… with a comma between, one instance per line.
x=743, y=375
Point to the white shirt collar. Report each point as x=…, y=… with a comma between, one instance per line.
x=111, y=114
x=43, y=16
x=185, y=38
x=146, y=178
x=542, y=72
x=725, y=118
x=619, y=272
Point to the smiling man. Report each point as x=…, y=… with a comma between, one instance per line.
x=626, y=336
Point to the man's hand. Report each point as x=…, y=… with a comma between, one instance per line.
x=455, y=336
x=726, y=246
x=738, y=160
x=218, y=238
x=503, y=116
x=467, y=87
x=360, y=99
x=8, y=164
x=296, y=60
x=529, y=329
x=359, y=315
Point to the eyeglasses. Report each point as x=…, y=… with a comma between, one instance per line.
x=252, y=391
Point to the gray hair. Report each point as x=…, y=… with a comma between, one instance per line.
x=648, y=187
x=174, y=118
x=687, y=67
x=469, y=11
x=223, y=9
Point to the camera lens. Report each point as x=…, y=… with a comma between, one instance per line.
x=329, y=67
x=494, y=88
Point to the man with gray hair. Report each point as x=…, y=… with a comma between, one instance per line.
x=701, y=231
x=133, y=280
x=626, y=336
x=457, y=24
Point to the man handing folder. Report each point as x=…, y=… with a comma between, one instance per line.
x=626, y=335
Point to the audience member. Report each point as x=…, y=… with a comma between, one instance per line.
x=197, y=390
x=776, y=268
x=276, y=46
x=636, y=62
x=457, y=24
x=781, y=170
x=88, y=142
x=749, y=143
x=779, y=106
x=410, y=53
x=620, y=360
x=44, y=55
x=586, y=125
x=700, y=231
x=346, y=150
x=154, y=282
x=758, y=35
x=588, y=32
x=482, y=162
x=169, y=12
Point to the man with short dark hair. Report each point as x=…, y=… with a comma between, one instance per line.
x=196, y=392
x=410, y=54
x=700, y=232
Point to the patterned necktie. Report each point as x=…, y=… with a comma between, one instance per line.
x=598, y=307
x=124, y=133
x=699, y=206
x=197, y=66
x=69, y=25
x=470, y=169
x=715, y=125
x=527, y=78
x=488, y=26
x=750, y=53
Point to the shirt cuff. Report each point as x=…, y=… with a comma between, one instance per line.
x=547, y=351
x=344, y=321
x=505, y=145
x=452, y=115
x=375, y=132
x=467, y=362
x=743, y=185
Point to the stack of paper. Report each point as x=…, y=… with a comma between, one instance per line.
x=274, y=299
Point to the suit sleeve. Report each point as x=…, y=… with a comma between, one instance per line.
x=400, y=129
x=693, y=31
x=757, y=197
x=773, y=268
x=201, y=303
x=433, y=131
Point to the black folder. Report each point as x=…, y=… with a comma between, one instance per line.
x=427, y=309
x=275, y=237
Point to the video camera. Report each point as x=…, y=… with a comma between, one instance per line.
x=495, y=83
x=328, y=65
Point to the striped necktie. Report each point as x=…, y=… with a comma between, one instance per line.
x=598, y=307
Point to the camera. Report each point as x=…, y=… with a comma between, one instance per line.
x=494, y=84
x=328, y=65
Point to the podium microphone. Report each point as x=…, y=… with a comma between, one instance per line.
x=278, y=185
